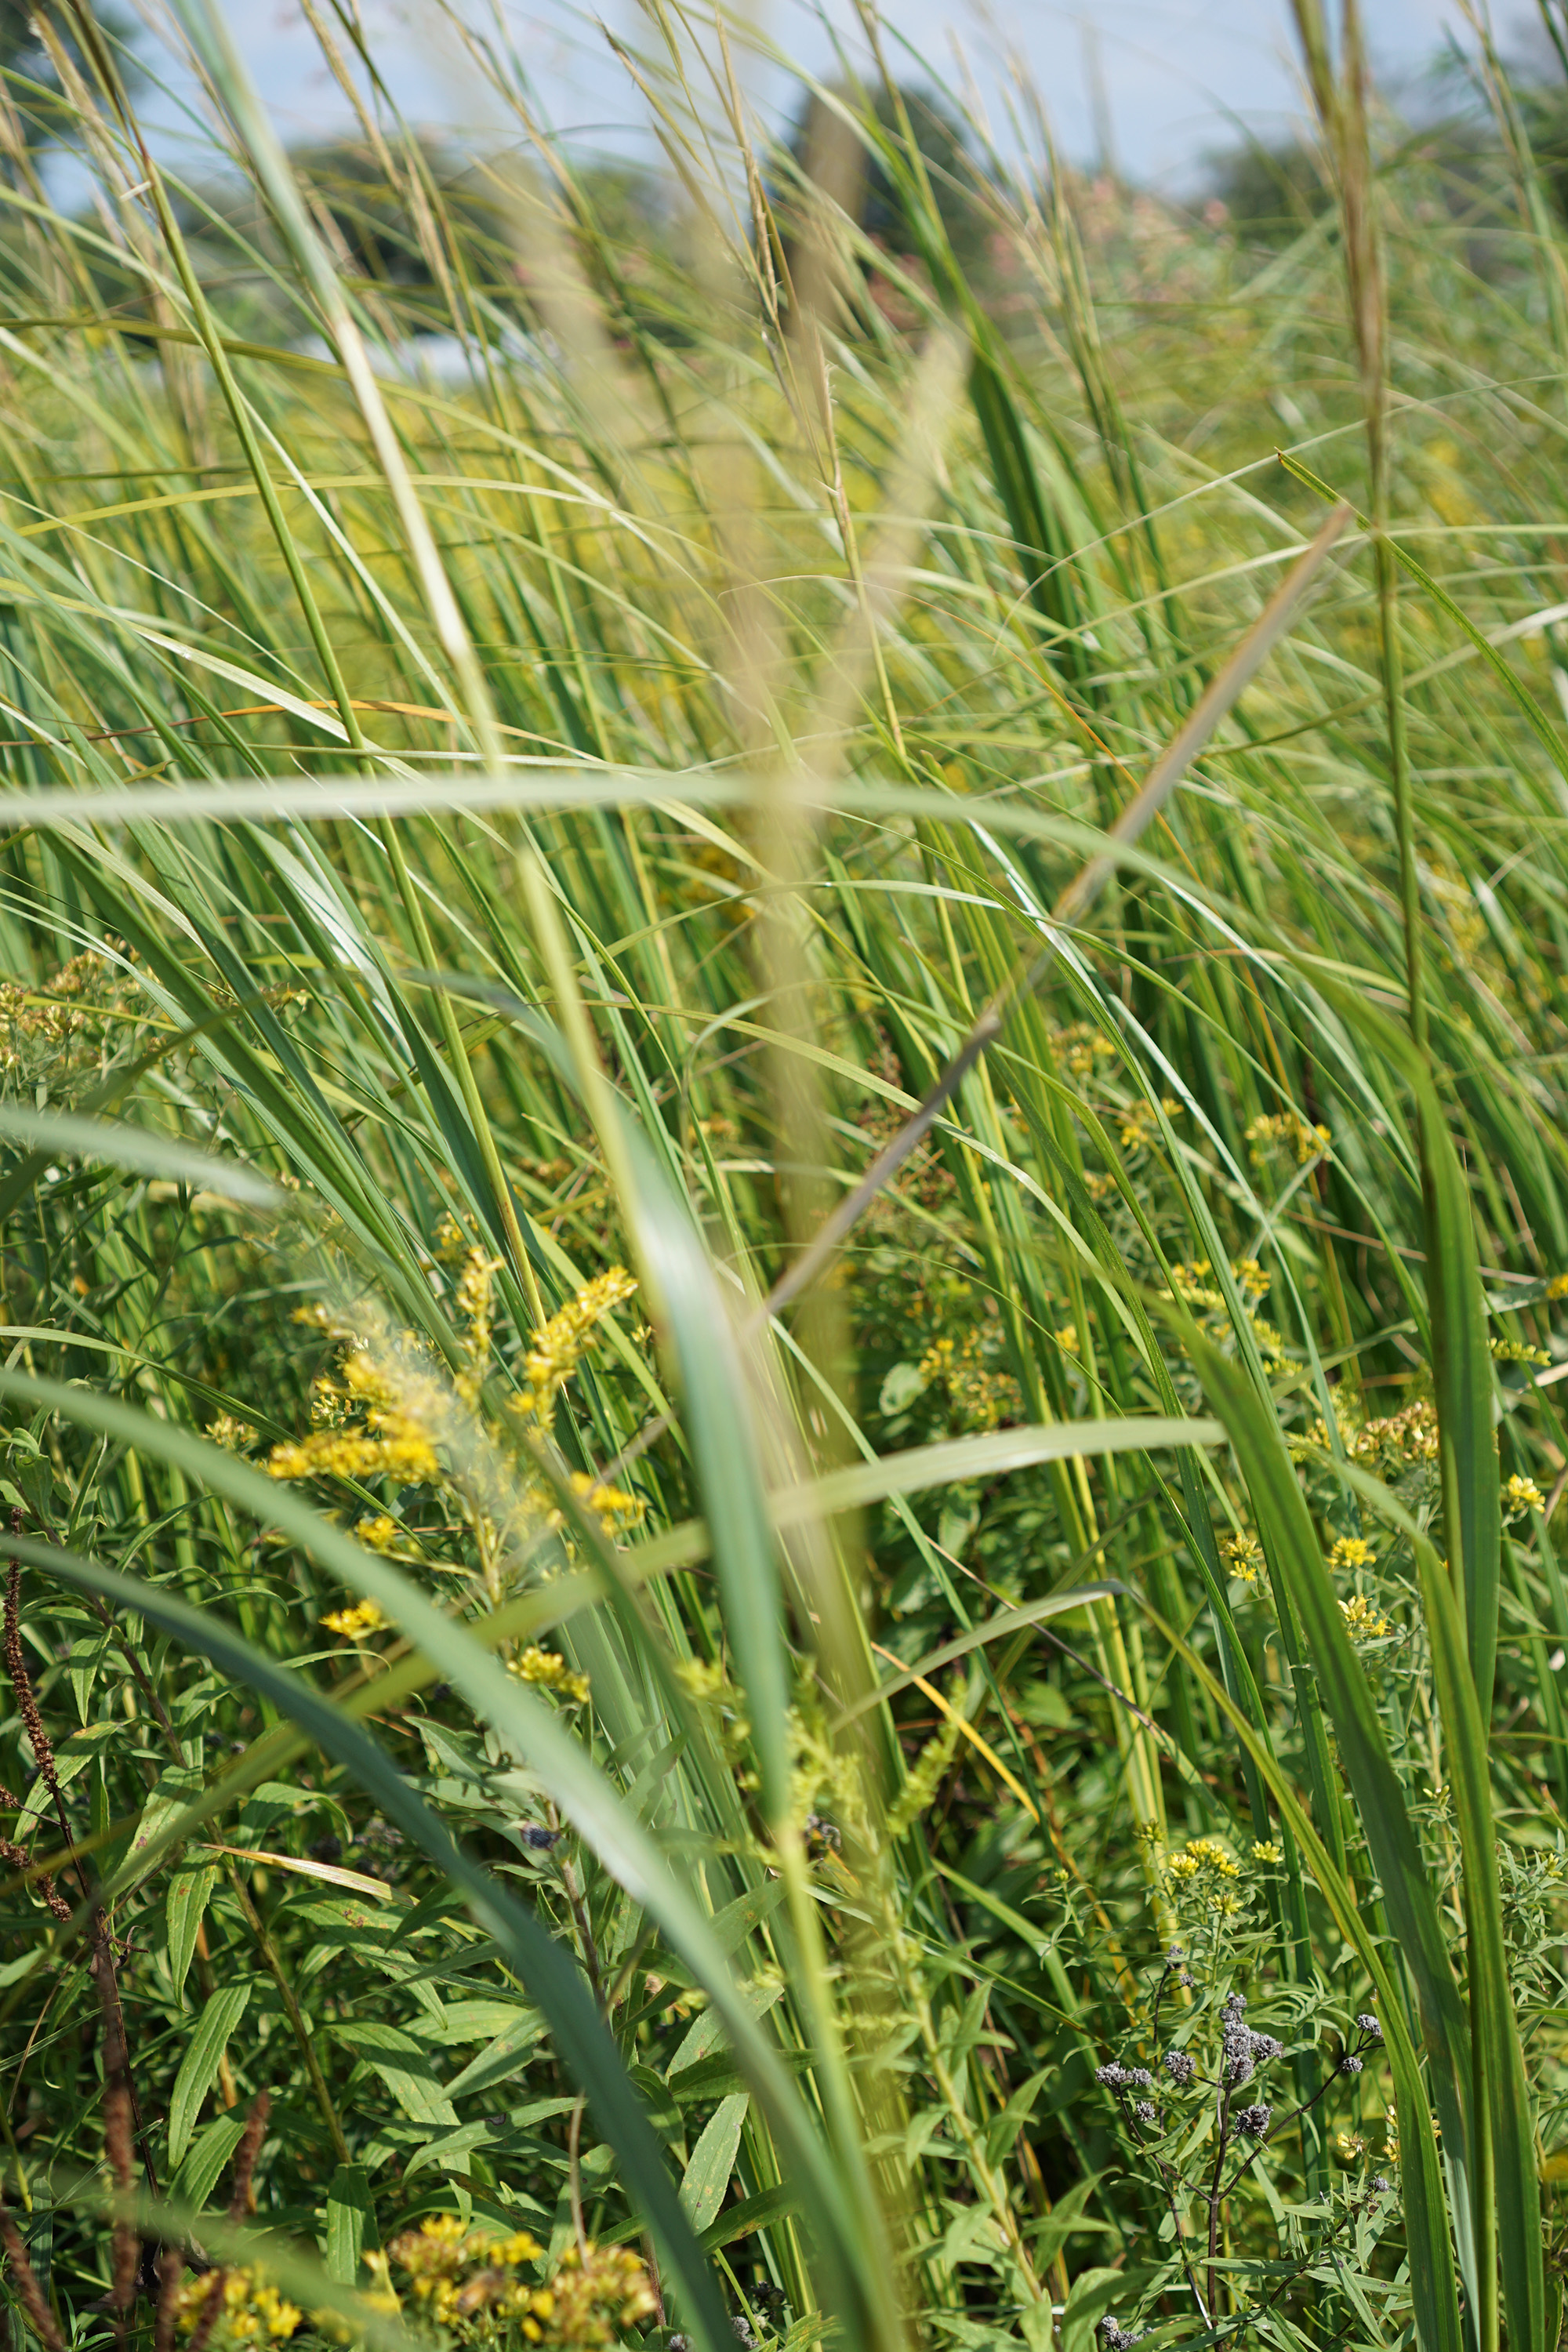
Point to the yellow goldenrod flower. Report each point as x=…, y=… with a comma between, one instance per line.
x=1558, y=1287
x=250, y=2311
x=230, y=1432
x=378, y=1534
x=548, y=1671
x=1243, y=1555
x=1362, y=1621
x=558, y=1347
x=354, y=1624
x=1266, y=1854
x=1523, y=1495
x=1352, y=1551
x=611, y=1503
x=1289, y=1127
x=474, y=1303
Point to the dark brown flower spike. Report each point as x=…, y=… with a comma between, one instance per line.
x=246, y=2154
x=171, y=2270
x=25, y=2279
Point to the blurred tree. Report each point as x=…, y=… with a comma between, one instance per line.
x=876, y=178
x=1269, y=193
x=29, y=72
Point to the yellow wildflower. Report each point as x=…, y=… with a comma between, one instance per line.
x=1362, y=1621
x=1243, y=1555
x=1266, y=1854
x=548, y=1671
x=1211, y=1856
x=378, y=1534
x=250, y=2311
x=1519, y=1351
x=1523, y=1495
x=1352, y=1551
x=1558, y=1287
x=230, y=1434
x=611, y=1503
x=354, y=1624
x=558, y=1347
x=475, y=1306
x=1288, y=1126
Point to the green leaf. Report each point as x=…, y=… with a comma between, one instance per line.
x=206, y=2158
x=403, y=2065
x=507, y=2055
x=580, y=2037
x=751, y=2213
x=713, y=2161
x=204, y=2055
x=190, y=1890
x=351, y=2222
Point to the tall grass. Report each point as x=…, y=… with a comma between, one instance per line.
x=785, y=1189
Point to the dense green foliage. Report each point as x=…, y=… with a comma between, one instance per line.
x=976, y=1759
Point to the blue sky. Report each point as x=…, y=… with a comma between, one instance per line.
x=1177, y=74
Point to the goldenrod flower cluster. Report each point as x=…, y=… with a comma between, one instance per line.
x=1519, y=1351
x=1139, y=1124
x=1204, y=1868
x=1266, y=1854
x=1243, y=1555
x=1080, y=1047
x=1363, y=1622
x=982, y=1396
x=53, y=1017
x=558, y=1347
x=230, y=1432
x=548, y=1671
x=1352, y=1551
x=613, y=1504
x=354, y=1624
x=1523, y=1495
x=598, y=2294
x=1288, y=1126
x=378, y=1533
x=1194, y=1284
x=397, y=1410
x=475, y=1305
x=250, y=2309
x=466, y=2278
x=1406, y=1437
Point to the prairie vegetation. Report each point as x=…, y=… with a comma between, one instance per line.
x=784, y=1165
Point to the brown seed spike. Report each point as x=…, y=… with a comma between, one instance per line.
x=171, y=2270
x=25, y=2279
x=244, y=2156
x=21, y=1681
